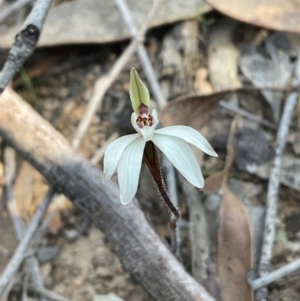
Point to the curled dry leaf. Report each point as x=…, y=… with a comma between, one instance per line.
x=275, y=14
x=191, y=110
x=234, y=259
x=94, y=21
x=234, y=254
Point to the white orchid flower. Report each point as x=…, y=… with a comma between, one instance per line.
x=126, y=153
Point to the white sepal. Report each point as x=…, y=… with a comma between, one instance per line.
x=181, y=156
x=114, y=152
x=189, y=135
x=129, y=169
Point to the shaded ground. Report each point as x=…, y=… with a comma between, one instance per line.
x=184, y=55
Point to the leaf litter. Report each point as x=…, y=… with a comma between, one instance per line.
x=229, y=212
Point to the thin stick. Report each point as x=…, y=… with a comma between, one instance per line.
x=19, y=225
x=273, y=187
x=237, y=110
x=198, y=232
x=45, y=292
x=10, y=168
x=98, y=155
x=100, y=88
x=20, y=252
x=275, y=275
x=12, y=8
x=172, y=188
x=25, y=41
x=141, y=50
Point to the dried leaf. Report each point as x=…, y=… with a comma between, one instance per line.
x=213, y=184
x=234, y=257
x=278, y=14
x=94, y=21
x=193, y=110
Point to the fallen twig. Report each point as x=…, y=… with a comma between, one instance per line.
x=19, y=225
x=45, y=292
x=12, y=8
x=141, y=50
x=25, y=41
x=273, y=276
x=198, y=233
x=20, y=253
x=140, y=250
x=172, y=189
x=237, y=110
x=100, y=88
x=273, y=187
x=99, y=154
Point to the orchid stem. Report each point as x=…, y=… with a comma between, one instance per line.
x=151, y=159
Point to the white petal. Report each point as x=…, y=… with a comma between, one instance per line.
x=129, y=169
x=189, y=135
x=181, y=156
x=155, y=117
x=113, y=154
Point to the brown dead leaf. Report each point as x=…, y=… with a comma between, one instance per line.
x=234, y=255
x=190, y=110
x=234, y=259
x=29, y=190
x=213, y=183
x=275, y=14
x=94, y=21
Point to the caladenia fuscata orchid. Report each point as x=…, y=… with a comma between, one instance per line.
x=126, y=153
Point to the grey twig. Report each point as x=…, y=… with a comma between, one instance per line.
x=45, y=292
x=172, y=189
x=20, y=252
x=198, y=232
x=12, y=8
x=10, y=169
x=100, y=88
x=20, y=227
x=273, y=276
x=141, y=50
x=273, y=187
x=25, y=41
x=98, y=155
x=237, y=110
x=202, y=267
